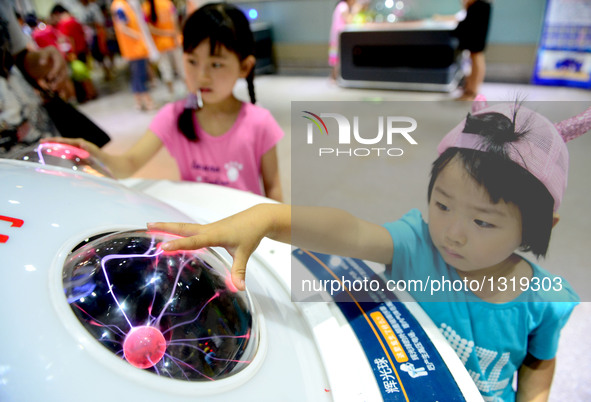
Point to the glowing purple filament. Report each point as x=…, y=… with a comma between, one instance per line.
x=122, y=256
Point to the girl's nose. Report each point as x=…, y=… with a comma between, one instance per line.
x=201, y=75
x=455, y=233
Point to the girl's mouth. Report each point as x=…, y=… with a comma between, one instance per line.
x=451, y=253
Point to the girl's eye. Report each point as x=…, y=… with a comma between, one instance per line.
x=483, y=224
x=216, y=65
x=441, y=206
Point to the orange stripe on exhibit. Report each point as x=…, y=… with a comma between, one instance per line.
x=389, y=336
x=369, y=322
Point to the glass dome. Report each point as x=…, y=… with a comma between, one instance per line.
x=63, y=155
x=175, y=314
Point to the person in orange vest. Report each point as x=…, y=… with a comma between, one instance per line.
x=162, y=22
x=136, y=46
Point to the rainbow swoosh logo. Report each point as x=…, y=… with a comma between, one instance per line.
x=317, y=121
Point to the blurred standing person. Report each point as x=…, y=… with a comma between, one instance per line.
x=71, y=29
x=135, y=45
x=472, y=33
x=77, y=57
x=162, y=22
x=93, y=18
x=342, y=15
x=22, y=21
x=46, y=35
x=111, y=47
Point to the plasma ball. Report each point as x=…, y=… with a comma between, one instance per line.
x=175, y=314
x=144, y=346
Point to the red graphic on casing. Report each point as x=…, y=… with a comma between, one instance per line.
x=15, y=222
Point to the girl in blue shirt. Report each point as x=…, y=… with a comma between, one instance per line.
x=495, y=189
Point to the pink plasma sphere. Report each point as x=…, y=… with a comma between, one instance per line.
x=144, y=346
x=174, y=314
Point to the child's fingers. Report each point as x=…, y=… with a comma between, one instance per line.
x=239, y=269
x=77, y=142
x=177, y=228
x=61, y=140
x=192, y=237
x=185, y=243
x=196, y=236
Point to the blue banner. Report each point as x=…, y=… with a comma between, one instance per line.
x=405, y=363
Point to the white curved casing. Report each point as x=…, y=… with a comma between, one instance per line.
x=46, y=355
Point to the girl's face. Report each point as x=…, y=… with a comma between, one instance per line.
x=469, y=231
x=215, y=75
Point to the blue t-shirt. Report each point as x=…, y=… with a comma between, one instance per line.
x=491, y=340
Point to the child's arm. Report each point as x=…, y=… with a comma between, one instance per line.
x=124, y=165
x=326, y=230
x=121, y=20
x=124, y=29
x=270, y=174
x=161, y=32
x=534, y=379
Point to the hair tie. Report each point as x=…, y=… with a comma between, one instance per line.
x=191, y=101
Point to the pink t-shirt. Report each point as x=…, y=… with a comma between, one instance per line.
x=232, y=159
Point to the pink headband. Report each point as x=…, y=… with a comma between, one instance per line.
x=542, y=151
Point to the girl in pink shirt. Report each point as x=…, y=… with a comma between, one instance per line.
x=213, y=136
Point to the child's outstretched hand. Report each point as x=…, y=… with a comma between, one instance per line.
x=239, y=234
x=76, y=142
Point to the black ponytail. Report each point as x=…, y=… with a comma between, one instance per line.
x=153, y=15
x=250, y=82
x=186, y=124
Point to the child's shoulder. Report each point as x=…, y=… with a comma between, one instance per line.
x=413, y=218
x=547, y=287
x=167, y=116
x=253, y=110
x=257, y=116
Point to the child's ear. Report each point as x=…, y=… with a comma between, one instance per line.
x=246, y=66
x=555, y=219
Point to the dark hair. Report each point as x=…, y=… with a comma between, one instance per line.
x=153, y=14
x=31, y=20
x=58, y=9
x=504, y=179
x=223, y=24
x=6, y=57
